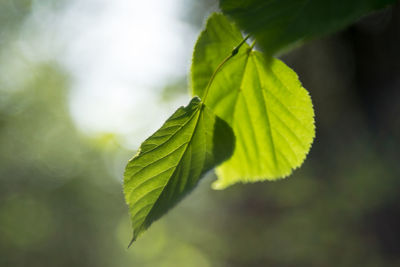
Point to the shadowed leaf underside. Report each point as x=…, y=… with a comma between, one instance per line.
x=171, y=162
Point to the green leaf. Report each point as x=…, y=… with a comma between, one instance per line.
x=212, y=46
x=279, y=24
x=263, y=101
x=171, y=162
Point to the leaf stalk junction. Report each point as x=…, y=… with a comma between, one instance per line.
x=219, y=67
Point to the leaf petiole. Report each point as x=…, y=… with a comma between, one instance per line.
x=252, y=45
x=219, y=67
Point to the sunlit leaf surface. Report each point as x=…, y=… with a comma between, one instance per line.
x=269, y=111
x=170, y=162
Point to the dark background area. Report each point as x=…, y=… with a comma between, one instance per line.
x=61, y=201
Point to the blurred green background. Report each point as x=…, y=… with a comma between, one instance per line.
x=61, y=201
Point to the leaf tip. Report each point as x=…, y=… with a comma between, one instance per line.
x=130, y=243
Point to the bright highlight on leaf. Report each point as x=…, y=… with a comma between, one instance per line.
x=171, y=162
x=263, y=101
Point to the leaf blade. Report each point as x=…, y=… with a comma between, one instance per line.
x=171, y=162
x=282, y=126
x=269, y=111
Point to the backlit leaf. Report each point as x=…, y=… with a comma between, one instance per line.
x=263, y=101
x=171, y=162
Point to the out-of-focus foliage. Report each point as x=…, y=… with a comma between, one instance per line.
x=279, y=24
x=171, y=162
x=270, y=112
x=12, y=13
x=50, y=177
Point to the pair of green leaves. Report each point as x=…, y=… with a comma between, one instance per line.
x=254, y=117
x=254, y=120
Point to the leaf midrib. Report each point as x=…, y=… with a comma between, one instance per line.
x=160, y=145
x=268, y=122
x=200, y=109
